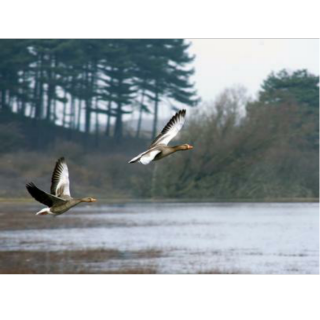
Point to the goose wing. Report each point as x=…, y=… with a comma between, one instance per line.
x=60, y=185
x=171, y=129
x=43, y=197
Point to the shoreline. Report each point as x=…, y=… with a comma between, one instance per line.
x=169, y=200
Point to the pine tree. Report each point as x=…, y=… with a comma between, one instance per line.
x=39, y=77
x=162, y=73
x=119, y=86
x=300, y=85
x=14, y=73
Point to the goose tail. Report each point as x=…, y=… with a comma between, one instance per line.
x=43, y=212
x=135, y=159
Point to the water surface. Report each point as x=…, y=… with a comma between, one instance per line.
x=259, y=238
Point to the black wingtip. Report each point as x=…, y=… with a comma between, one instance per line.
x=61, y=159
x=182, y=112
x=179, y=113
x=30, y=185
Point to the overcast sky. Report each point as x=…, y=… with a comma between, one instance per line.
x=222, y=63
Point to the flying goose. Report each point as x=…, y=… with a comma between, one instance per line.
x=59, y=200
x=159, y=147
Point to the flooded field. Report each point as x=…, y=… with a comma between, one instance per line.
x=256, y=238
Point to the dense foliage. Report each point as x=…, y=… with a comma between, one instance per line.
x=271, y=151
x=69, y=82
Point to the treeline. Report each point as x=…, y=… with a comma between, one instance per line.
x=84, y=84
x=244, y=149
x=262, y=149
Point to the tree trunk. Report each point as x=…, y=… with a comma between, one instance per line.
x=64, y=119
x=38, y=90
x=97, y=124
x=79, y=115
x=107, y=132
x=118, y=124
x=87, y=104
x=140, y=116
x=10, y=102
x=54, y=113
x=24, y=94
x=3, y=99
x=50, y=89
x=108, y=124
x=155, y=119
x=73, y=113
x=72, y=107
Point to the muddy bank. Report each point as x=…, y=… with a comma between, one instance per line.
x=73, y=262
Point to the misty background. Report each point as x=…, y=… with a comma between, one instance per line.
x=252, y=116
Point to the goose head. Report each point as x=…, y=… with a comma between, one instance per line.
x=88, y=199
x=185, y=147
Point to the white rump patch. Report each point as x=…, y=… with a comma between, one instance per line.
x=149, y=156
x=44, y=212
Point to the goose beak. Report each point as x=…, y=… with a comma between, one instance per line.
x=190, y=147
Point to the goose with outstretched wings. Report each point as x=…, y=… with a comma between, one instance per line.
x=59, y=200
x=159, y=147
